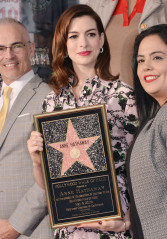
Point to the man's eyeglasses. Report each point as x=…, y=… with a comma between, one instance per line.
x=15, y=48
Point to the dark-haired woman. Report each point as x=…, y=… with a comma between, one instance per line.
x=148, y=158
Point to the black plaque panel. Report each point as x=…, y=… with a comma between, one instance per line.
x=78, y=166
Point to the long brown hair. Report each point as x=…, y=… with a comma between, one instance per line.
x=62, y=65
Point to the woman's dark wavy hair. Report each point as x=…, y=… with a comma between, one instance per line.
x=147, y=106
x=62, y=65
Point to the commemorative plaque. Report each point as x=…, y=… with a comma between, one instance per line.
x=78, y=166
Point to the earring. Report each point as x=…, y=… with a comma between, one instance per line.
x=101, y=50
x=66, y=55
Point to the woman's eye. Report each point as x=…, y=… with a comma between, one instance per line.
x=140, y=61
x=73, y=36
x=92, y=34
x=157, y=58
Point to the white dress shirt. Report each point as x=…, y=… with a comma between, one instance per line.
x=16, y=86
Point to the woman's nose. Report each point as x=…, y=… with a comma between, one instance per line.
x=83, y=41
x=147, y=65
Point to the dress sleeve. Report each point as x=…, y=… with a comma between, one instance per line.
x=48, y=104
x=122, y=119
x=130, y=118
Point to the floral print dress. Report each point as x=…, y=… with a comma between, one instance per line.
x=121, y=115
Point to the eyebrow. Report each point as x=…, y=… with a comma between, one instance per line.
x=12, y=43
x=152, y=53
x=92, y=29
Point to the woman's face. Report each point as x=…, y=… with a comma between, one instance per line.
x=152, y=67
x=84, y=42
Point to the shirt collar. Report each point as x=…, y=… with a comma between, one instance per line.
x=19, y=83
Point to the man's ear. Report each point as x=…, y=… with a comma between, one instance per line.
x=32, y=49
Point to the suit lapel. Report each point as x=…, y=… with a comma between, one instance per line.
x=149, y=8
x=22, y=100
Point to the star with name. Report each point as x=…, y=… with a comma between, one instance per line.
x=74, y=149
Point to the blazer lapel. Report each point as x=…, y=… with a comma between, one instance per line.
x=104, y=9
x=22, y=100
x=149, y=8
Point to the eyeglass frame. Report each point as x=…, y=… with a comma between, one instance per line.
x=11, y=47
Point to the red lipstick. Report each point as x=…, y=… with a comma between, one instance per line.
x=150, y=78
x=84, y=53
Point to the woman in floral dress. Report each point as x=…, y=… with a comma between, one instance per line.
x=81, y=77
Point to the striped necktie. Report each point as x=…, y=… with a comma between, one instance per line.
x=4, y=110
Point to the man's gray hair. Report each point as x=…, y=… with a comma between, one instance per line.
x=8, y=20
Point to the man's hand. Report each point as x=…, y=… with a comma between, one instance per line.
x=7, y=231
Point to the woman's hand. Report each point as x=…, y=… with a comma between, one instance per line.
x=115, y=225
x=35, y=146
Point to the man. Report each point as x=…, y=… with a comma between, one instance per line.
x=123, y=19
x=22, y=203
